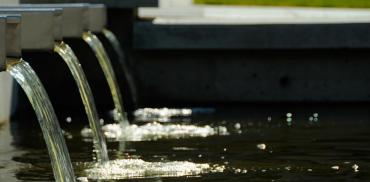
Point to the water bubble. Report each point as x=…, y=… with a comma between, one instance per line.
x=310, y=118
x=101, y=121
x=355, y=167
x=238, y=170
x=136, y=168
x=82, y=179
x=269, y=119
x=289, y=115
x=68, y=119
x=200, y=156
x=316, y=115
x=225, y=149
x=155, y=131
x=237, y=126
x=335, y=167
x=261, y=146
x=160, y=114
x=184, y=149
x=309, y=170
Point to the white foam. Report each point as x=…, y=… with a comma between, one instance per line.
x=160, y=114
x=155, y=131
x=137, y=168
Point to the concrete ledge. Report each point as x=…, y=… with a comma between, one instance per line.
x=109, y=3
x=263, y=36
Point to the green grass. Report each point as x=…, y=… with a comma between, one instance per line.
x=305, y=3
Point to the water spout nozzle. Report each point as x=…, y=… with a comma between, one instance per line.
x=9, y=38
x=40, y=27
x=13, y=36
x=75, y=17
x=79, y=17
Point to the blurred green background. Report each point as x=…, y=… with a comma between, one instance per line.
x=304, y=3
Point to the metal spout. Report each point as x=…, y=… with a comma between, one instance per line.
x=40, y=27
x=79, y=17
x=10, y=36
x=75, y=17
x=13, y=36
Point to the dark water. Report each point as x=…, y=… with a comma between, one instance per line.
x=305, y=149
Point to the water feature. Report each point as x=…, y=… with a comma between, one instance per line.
x=266, y=149
x=58, y=152
x=111, y=37
x=107, y=68
x=84, y=88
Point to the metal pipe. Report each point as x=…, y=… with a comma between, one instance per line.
x=36, y=35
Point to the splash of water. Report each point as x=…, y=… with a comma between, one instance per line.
x=137, y=168
x=87, y=98
x=156, y=131
x=160, y=114
x=58, y=152
x=109, y=35
x=107, y=68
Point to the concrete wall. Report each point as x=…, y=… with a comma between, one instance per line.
x=9, y=2
x=6, y=84
x=167, y=78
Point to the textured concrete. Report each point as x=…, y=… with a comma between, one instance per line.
x=226, y=55
x=168, y=78
x=6, y=87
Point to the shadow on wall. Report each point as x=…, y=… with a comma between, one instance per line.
x=6, y=88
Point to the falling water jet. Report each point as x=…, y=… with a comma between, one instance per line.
x=51, y=31
x=107, y=67
x=83, y=21
x=97, y=22
x=28, y=80
x=111, y=37
x=58, y=152
x=84, y=88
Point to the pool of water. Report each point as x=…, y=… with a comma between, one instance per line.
x=264, y=143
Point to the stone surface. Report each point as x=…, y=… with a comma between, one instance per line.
x=210, y=77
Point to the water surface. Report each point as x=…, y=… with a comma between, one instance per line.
x=317, y=143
